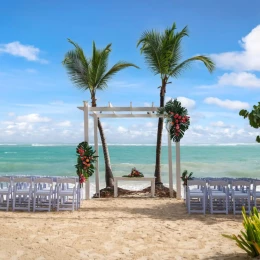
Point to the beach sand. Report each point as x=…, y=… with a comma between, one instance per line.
x=121, y=228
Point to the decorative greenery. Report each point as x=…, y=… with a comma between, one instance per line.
x=177, y=121
x=85, y=161
x=253, y=117
x=134, y=173
x=186, y=176
x=249, y=240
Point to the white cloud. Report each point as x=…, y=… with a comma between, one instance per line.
x=229, y=104
x=218, y=124
x=28, y=52
x=243, y=79
x=245, y=60
x=186, y=102
x=65, y=123
x=33, y=118
x=121, y=130
x=11, y=114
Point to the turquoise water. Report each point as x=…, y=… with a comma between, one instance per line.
x=203, y=161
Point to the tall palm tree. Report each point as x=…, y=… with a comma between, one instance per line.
x=162, y=53
x=92, y=74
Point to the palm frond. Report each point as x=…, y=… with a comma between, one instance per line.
x=116, y=68
x=177, y=70
x=77, y=66
x=151, y=47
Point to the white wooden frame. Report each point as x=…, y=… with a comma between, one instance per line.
x=150, y=113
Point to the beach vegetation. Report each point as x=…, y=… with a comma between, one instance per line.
x=163, y=54
x=253, y=117
x=92, y=74
x=186, y=176
x=249, y=239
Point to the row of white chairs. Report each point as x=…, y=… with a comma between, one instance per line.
x=39, y=193
x=220, y=196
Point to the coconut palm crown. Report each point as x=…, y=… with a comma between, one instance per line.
x=92, y=74
x=163, y=54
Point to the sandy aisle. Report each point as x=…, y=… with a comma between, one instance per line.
x=122, y=228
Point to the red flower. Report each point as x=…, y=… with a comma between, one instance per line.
x=82, y=179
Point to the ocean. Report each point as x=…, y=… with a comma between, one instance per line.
x=236, y=160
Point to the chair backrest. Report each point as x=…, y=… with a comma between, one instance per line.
x=241, y=183
x=218, y=183
x=66, y=180
x=5, y=179
x=43, y=180
x=256, y=182
x=196, y=182
x=22, y=179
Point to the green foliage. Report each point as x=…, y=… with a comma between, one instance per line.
x=253, y=117
x=91, y=73
x=163, y=53
x=177, y=120
x=85, y=161
x=249, y=240
x=186, y=176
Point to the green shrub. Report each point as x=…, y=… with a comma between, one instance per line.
x=249, y=240
x=186, y=176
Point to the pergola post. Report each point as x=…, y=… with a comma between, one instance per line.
x=96, y=148
x=178, y=171
x=170, y=164
x=87, y=183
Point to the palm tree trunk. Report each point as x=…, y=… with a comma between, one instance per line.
x=157, y=173
x=108, y=169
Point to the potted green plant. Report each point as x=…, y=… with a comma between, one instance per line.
x=185, y=177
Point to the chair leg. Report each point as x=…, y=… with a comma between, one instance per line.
x=227, y=205
x=14, y=201
x=29, y=202
x=7, y=202
x=34, y=202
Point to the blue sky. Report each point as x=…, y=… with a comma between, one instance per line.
x=38, y=101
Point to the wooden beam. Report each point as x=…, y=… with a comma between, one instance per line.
x=128, y=115
x=122, y=109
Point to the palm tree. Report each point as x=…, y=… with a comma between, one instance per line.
x=162, y=53
x=91, y=74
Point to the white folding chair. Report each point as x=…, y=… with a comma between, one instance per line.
x=240, y=195
x=43, y=194
x=218, y=192
x=256, y=192
x=66, y=194
x=5, y=192
x=22, y=193
x=196, y=197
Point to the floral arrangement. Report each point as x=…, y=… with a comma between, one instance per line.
x=85, y=161
x=186, y=176
x=134, y=173
x=177, y=119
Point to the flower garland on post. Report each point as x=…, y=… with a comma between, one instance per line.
x=85, y=161
x=177, y=119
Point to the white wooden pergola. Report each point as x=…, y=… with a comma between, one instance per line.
x=127, y=112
